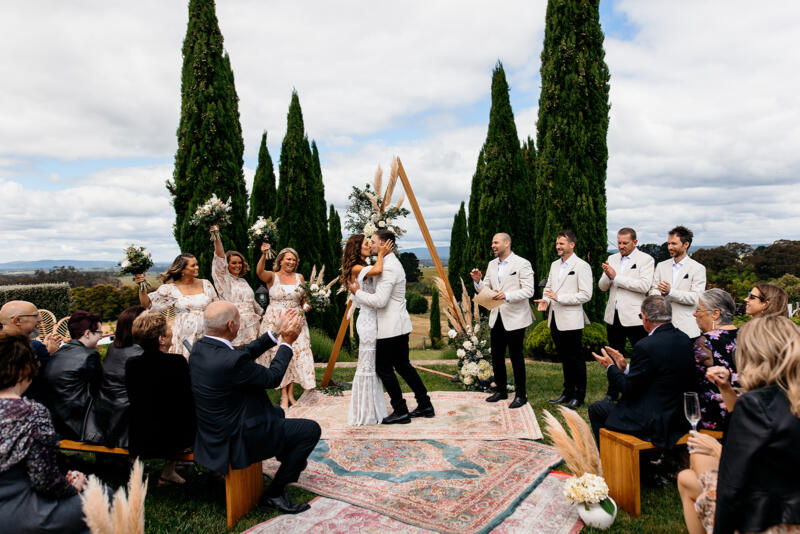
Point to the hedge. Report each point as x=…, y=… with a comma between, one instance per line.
x=539, y=343
x=104, y=299
x=54, y=296
x=416, y=303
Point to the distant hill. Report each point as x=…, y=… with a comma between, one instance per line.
x=46, y=265
x=423, y=254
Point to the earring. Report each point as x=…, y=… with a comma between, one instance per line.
x=713, y=324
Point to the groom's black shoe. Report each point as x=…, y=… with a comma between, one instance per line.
x=518, y=402
x=561, y=399
x=395, y=418
x=286, y=506
x=419, y=411
x=497, y=397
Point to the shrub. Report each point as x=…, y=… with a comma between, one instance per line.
x=436, y=322
x=107, y=300
x=322, y=346
x=416, y=303
x=53, y=297
x=539, y=343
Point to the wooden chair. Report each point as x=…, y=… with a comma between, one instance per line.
x=62, y=328
x=48, y=322
x=168, y=313
x=619, y=454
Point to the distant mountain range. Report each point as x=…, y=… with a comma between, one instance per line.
x=83, y=265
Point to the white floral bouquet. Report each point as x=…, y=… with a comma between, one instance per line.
x=589, y=489
x=372, y=209
x=137, y=260
x=264, y=230
x=317, y=295
x=213, y=212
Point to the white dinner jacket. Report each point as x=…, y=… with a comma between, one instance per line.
x=684, y=293
x=629, y=287
x=389, y=299
x=517, y=285
x=572, y=290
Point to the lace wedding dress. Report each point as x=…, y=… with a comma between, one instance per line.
x=367, y=403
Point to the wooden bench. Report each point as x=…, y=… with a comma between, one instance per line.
x=619, y=454
x=243, y=487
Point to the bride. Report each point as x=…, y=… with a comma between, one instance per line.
x=367, y=403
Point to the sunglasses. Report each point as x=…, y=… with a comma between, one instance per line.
x=750, y=296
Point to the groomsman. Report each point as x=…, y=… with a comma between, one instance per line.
x=511, y=277
x=627, y=276
x=681, y=279
x=569, y=285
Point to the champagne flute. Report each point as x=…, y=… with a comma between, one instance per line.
x=691, y=408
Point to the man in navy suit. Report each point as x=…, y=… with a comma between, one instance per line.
x=237, y=425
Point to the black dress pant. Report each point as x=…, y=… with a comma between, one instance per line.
x=598, y=414
x=502, y=338
x=617, y=336
x=568, y=347
x=301, y=436
x=391, y=355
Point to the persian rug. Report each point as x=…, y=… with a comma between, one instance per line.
x=444, y=485
x=544, y=511
x=459, y=415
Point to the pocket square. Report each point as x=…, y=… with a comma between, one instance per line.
x=633, y=266
x=571, y=272
x=685, y=276
x=512, y=274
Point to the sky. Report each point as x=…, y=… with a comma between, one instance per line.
x=704, y=122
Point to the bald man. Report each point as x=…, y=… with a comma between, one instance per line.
x=21, y=318
x=237, y=425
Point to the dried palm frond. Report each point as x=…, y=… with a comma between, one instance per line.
x=330, y=285
x=373, y=201
x=313, y=274
x=377, y=183
x=387, y=197
x=400, y=200
x=453, y=311
x=567, y=447
x=95, y=507
x=466, y=304
x=137, y=490
x=584, y=439
x=320, y=278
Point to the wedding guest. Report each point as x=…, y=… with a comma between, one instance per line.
x=19, y=317
x=569, y=286
x=73, y=378
x=228, y=271
x=511, y=278
x=766, y=299
x=714, y=348
x=188, y=294
x=627, y=276
x=285, y=293
x=237, y=425
x=162, y=415
x=35, y=496
x=681, y=279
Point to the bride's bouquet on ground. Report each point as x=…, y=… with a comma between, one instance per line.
x=213, y=212
x=264, y=230
x=137, y=260
x=317, y=295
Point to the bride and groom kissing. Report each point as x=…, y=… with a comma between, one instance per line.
x=383, y=326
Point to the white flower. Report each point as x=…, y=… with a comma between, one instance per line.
x=314, y=287
x=467, y=345
x=375, y=217
x=390, y=229
x=468, y=380
x=479, y=355
x=474, y=339
x=477, y=328
x=382, y=223
x=452, y=334
x=587, y=488
x=125, y=264
x=461, y=353
x=483, y=343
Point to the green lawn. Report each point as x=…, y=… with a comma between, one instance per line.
x=199, y=506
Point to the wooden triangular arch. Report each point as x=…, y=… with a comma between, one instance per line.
x=412, y=200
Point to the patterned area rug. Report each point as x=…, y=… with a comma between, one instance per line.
x=447, y=486
x=544, y=511
x=459, y=415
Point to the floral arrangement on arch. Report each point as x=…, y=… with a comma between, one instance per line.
x=371, y=209
x=469, y=335
x=213, y=212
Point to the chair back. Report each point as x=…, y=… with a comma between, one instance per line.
x=47, y=324
x=62, y=328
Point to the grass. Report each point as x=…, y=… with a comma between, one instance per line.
x=199, y=506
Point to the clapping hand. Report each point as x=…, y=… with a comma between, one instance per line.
x=700, y=443
x=610, y=272
x=476, y=275
x=52, y=342
x=283, y=318
x=664, y=288
x=291, y=329
x=610, y=357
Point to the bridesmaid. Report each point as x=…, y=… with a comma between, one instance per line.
x=188, y=294
x=228, y=268
x=285, y=293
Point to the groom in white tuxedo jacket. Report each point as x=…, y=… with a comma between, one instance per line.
x=394, y=325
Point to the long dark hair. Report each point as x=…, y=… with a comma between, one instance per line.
x=351, y=257
x=174, y=272
x=122, y=335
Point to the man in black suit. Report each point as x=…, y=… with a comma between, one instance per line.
x=662, y=368
x=237, y=425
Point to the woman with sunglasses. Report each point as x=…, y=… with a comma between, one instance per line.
x=765, y=300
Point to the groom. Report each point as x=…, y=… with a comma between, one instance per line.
x=394, y=325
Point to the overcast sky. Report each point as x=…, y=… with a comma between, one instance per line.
x=704, y=131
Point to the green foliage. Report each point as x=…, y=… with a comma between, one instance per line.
x=781, y=257
x=789, y=283
x=410, y=264
x=435, y=331
x=49, y=296
x=473, y=250
x=108, y=301
x=70, y=275
x=659, y=253
x=210, y=145
x=416, y=303
x=322, y=346
x=571, y=138
x=456, y=269
x=539, y=343
x=262, y=199
x=339, y=300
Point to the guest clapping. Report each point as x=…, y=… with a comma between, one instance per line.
x=228, y=270
x=766, y=299
x=188, y=294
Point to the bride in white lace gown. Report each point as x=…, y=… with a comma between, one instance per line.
x=367, y=402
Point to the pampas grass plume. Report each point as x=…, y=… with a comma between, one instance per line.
x=95, y=507
x=137, y=490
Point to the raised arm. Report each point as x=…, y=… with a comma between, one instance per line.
x=382, y=293
x=219, y=250
x=266, y=276
x=383, y=249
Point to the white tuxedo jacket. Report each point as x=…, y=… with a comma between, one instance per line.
x=517, y=285
x=572, y=290
x=629, y=288
x=684, y=293
x=389, y=299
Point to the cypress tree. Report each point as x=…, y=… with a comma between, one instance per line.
x=458, y=243
x=435, y=331
x=263, y=196
x=321, y=206
x=335, y=239
x=571, y=136
x=472, y=250
x=339, y=301
x=210, y=146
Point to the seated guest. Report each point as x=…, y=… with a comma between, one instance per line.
x=766, y=299
x=714, y=348
x=73, y=377
x=34, y=495
x=237, y=425
x=756, y=488
x=162, y=418
x=21, y=318
x=652, y=385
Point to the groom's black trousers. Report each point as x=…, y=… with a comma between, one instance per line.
x=502, y=338
x=392, y=355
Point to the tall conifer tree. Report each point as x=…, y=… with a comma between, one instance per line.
x=435, y=331
x=263, y=196
x=320, y=205
x=458, y=243
x=472, y=251
x=572, y=128
x=210, y=145
x=529, y=157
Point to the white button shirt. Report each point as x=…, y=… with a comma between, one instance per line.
x=563, y=268
x=676, y=266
